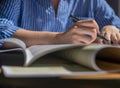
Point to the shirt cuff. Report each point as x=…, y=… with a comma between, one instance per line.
x=7, y=29
x=8, y=32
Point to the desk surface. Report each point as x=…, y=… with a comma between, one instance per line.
x=105, y=81
x=97, y=76
x=86, y=81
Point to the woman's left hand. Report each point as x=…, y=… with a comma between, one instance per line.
x=112, y=33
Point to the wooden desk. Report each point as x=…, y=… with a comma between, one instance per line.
x=96, y=77
x=87, y=81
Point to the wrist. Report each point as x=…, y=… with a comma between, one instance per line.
x=58, y=39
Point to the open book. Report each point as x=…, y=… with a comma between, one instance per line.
x=58, y=60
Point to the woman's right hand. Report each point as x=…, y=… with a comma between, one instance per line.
x=82, y=32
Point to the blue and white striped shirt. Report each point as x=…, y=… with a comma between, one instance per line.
x=39, y=15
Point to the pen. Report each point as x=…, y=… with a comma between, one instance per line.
x=75, y=19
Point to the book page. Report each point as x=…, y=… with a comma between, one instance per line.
x=41, y=50
x=15, y=41
x=89, y=56
x=53, y=61
x=109, y=58
x=13, y=56
x=48, y=66
x=32, y=72
x=85, y=55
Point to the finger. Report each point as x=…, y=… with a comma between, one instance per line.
x=98, y=40
x=84, y=26
x=83, y=30
x=114, y=38
x=86, y=21
x=79, y=42
x=107, y=35
x=89, y=33
x=118, y=38
x=82, y=39
x=89, y=23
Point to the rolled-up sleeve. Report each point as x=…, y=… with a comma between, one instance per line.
x=9, y=17
x=7, y=29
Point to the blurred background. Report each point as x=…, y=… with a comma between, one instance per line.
x=115, y=4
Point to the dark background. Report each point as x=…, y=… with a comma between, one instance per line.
x=115, y=5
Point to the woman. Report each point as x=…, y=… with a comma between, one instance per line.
x=48, y=21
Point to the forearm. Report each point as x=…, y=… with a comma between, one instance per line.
x=35, y=37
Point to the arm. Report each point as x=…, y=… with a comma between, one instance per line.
x=75, y=35
x=10, y=10
x=9, y=17
x=108, y=21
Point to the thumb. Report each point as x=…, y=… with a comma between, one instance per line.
x=98, y=40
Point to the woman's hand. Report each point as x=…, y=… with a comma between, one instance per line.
x=82, y=32
x=111, y=33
